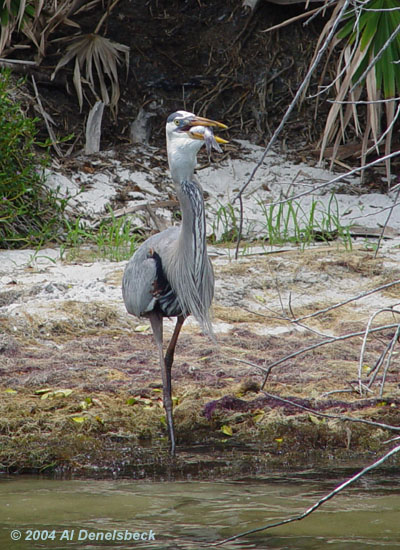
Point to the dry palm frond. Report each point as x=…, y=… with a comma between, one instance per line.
x=13, y=13
x=105, y=55
x=37, y=24
x=369, y=63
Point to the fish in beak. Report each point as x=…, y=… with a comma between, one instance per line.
x=198, y=127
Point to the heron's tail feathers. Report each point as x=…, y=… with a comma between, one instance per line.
x=195, y=296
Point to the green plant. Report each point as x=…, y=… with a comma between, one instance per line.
x=290, y=222
x=225, y=223
x=368, y=64
x=30, y=214
x=284, y=222
x=115, y=239
x=13, y=14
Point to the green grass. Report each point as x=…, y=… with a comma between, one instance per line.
x=227, y=218
x=115, y=239
x=284, y=223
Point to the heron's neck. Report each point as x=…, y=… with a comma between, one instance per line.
x=192, y=240
x=182, y=158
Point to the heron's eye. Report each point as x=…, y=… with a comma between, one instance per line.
x=177, y=121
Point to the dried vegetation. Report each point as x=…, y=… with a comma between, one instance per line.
x=83, y=394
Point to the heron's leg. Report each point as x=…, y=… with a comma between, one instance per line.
x=156, y=322
x=169, y=355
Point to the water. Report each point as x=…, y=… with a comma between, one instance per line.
x=74, y=514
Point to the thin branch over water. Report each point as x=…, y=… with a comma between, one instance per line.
x=319, y=503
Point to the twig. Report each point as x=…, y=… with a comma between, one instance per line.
x=245, y=362
x=363, y=346
x=379, y=362
x=240, y=227
x=319, y=503
x=105, y=15
x=153, y=216
x=335, y=416
x=45, y=118
x=291, y=20
x=333, y=180
x=387, y=221
x=344, y=390
x=352, y=299
x=362, y=102
x=294, y=102
x=143, y=205
x=284, y=317
x=389, y=359
x=11, y=62
x=323, y=343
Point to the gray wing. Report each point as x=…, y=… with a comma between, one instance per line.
x=144, y=284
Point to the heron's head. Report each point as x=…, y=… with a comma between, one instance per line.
x=183, y=145
x=179, y=125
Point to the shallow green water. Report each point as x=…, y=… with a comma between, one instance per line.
x=189, y=515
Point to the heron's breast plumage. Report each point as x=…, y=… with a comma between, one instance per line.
x=145, y=284
x=171, y=272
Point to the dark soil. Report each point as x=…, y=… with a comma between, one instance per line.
x=208, y=57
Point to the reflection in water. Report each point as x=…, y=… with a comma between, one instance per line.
x=122, y=514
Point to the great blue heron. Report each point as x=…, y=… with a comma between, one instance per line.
x=170, y=275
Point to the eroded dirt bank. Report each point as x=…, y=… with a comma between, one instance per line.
x=81, y=388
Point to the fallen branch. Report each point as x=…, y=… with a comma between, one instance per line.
x=394, y=341
x=319, y=503
x=335, y=416
x=291, y=20
x=46, y=120
x=364, y=343
x=352, y=299
x=323, y=343
x=136, y=207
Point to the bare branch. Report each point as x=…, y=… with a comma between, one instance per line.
x=245, y=362
x=293, y=19
x=361, y=102
x=335, y=179
x=341, y=417
x=46, y=120
x=323, y=343
x=319, y=503
x=387, y=220
x=389, y=359
x=296, y=98
x=352, y=299
x=367, y=331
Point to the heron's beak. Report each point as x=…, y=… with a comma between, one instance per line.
x=202, y=121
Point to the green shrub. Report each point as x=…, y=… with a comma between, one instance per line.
x=29, y=213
